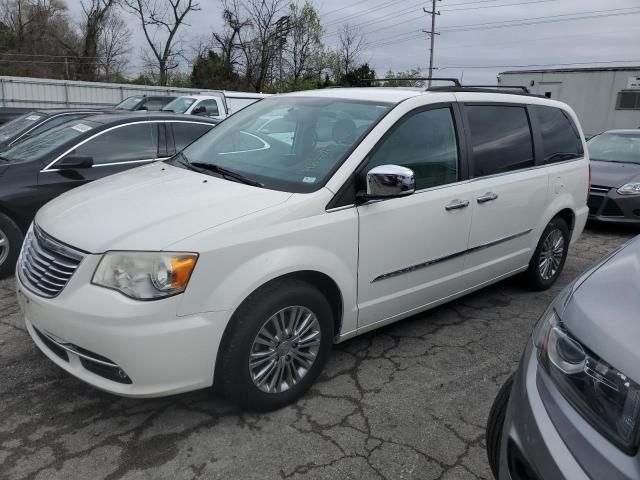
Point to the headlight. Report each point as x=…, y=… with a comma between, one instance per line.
x=630, y=189
x=607, y=398
x=145, y=275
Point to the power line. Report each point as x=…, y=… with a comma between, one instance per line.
x=537, y=65
x=508, y=23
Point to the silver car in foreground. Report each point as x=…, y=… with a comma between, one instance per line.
x=572, y=409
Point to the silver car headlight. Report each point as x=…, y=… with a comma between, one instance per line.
x=604, y=396
x=145, y=275
x=630, y=189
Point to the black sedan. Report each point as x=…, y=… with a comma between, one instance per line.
x=615, y=176
x=42, y=167
x=33, y=123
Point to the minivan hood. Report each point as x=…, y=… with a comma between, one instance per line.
x=604, y=311
x=613, y=175
x=149, y=208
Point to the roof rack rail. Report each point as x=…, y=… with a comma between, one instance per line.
x=500, y=87
x=455, y=81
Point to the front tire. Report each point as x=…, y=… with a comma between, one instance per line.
x=495, y=424
x=549, y=256
x=11, y=239
x=276, y=345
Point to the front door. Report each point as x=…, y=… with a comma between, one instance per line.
x=412, y=248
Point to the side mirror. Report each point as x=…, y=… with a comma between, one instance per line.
x=389, y=181
x=72, y=162
x=199, y=111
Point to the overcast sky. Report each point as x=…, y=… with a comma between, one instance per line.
x=466, y=45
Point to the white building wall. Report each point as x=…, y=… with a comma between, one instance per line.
x=592, y=94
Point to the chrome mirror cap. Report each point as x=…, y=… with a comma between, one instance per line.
x=387, y=181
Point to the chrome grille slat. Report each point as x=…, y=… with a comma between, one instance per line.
x=46, y=265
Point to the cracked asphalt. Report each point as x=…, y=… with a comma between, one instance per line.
x=408, y=401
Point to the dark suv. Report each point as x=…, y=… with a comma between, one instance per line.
x=42, y=167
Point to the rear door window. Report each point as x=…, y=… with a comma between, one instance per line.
x=500, y=138
x=560, y=137
x=126, y=143
x=211, y=107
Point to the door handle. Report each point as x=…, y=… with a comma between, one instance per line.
x=457, y=205
x=487, y=197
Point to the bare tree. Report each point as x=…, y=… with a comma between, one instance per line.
x=115, y=46
x=350, y=47
x=160, y=21
x=96, y=13
x=262, y=42
x=228, y=41
x=304, y=45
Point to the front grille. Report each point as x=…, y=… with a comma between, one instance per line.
x=612, y=210
x=594, y=203
x=46, y=265
x=599, y=189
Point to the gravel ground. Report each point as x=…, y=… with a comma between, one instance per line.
x=406, y=401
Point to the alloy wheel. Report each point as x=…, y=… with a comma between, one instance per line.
x=551, y=254
x=285, y=349
x=4, y=247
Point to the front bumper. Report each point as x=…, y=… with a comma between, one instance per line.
x=545, y=438
x=607, y=205
x=123, y=346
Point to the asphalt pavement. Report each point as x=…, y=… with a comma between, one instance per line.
x=408, y=401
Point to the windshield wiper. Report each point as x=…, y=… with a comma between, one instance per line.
x=4, y=159
x=615, y=161
x=210, y=167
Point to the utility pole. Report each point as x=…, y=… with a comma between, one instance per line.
x=432, y=33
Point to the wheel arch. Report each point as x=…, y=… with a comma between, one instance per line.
x=569, y=216
x=323, y=282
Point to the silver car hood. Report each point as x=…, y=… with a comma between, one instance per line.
x=604, y=310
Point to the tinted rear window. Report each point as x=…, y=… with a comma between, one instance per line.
x=500, y=139
x=560, y=138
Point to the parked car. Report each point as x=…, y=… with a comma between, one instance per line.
x=242, y=259
x=42, y=167
x=35, y=122
x=615, y=177
x=572, y=409
x=144, y=102
x=215, y=106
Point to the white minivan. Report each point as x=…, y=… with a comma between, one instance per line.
x=240, y=261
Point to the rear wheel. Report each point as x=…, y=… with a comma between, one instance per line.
x=277, y=344
x=548, y=259
x=495, y=424
x=10, y=242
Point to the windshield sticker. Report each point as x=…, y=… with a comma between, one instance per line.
x=309, y=180
x=33, y=118
x=81, y=127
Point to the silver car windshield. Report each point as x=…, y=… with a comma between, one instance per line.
x=615, y=147
x=292, y=143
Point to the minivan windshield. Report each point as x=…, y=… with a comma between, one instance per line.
x=41, y=145
x=129, y=103
x=615, y=147
x=19, y=125
x=288, y=143
x=179, y=105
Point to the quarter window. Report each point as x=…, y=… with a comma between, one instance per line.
x=500, y=139
x=186, y=133
x=123, y=144
x=426, y=143
x=560, y=138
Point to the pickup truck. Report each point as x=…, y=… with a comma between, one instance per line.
x=218, y=106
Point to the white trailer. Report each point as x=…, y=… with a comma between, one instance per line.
x=603, y=98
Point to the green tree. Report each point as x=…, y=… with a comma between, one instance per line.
x=359, y=77
x=210, y=71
